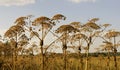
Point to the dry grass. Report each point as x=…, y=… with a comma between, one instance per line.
x=55, y=62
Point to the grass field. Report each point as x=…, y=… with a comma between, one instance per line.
x=56, y=62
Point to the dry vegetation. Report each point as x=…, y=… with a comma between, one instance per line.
x=55, y=62
x=28, y=37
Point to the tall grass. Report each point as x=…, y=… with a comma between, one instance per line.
x=55, y=62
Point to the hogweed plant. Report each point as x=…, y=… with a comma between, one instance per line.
x=26, y=45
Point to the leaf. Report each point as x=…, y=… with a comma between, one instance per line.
x=20, y=19
x=94, y=20
x=107, y=46
x=66, y=28
x=75, y=24
x=21, y=23
x=112, y=34
x=96, y=33
x=91, y=25
x=58, y=17
x=106, y=25
x=80, y=36
x=17, y=28
x=9, y=33
x=47, y=25
x=41, y=20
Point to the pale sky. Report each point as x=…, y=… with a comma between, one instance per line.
x=75, y=10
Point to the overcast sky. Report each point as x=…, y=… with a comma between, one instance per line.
x=75, y=10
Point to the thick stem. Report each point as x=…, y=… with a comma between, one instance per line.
x=16, y=49
x=42, y=49
x=86, y=63
x=115, y=51
x=64, y=51
x=42, y=54
x=15, y=54
x=87, y=53
x=13, y=59
x=80, y=57
x=65, y=62
x=108, y=62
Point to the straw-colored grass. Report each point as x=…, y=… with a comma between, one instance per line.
x=55, y=62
